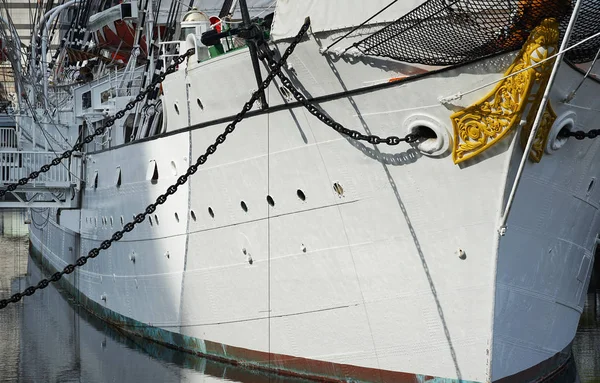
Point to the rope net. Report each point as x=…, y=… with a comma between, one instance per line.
x=449, y=32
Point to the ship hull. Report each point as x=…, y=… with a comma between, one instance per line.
x=297, y=250
x=549, y=370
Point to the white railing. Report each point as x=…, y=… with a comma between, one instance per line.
x=15, y=165
x=8, y=138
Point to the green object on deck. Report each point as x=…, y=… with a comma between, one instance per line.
x=216, y=50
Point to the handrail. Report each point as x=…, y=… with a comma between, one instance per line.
x=8, y=138
x=15, y=165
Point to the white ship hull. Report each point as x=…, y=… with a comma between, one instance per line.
x=361, y=279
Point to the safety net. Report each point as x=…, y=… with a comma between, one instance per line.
x=449, y=32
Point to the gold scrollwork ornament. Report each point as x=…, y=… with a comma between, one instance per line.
x=481, y=125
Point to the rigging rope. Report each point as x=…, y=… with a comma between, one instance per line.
x=128, y=227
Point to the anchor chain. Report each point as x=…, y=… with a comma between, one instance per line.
x=99, y=131
x=211, y=149
x=370, y=138
x=579, y=134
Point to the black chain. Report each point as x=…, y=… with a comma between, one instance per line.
x=99, y=131
x=579, y=134
x=171, y=189
x=371, y=138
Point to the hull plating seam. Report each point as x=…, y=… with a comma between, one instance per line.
x=282, y=364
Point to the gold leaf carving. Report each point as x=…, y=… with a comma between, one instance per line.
x=541, y=136
x=481, y=125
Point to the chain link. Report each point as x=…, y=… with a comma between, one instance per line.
x=171, y=189
x=99, y=131
x=315, y=111
x=579, y=134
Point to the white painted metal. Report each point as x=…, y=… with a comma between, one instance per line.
x=391, y=261
x=46, y=25
x=8, y=138
x=54, y=188
x=333, y=15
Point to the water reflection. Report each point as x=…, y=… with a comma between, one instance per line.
x=48, y=338
x=62, y=342
x=586, y=346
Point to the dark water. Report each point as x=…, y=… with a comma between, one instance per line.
x=47, y=338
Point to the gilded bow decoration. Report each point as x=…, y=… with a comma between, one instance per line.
x=481, y=125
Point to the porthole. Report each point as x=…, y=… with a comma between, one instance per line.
x=270, y=200
x=96, y=179
x=150, y=220
x=118, y=177
x=111, y=221
x=156, y=219
x=174, y=168
x=200, y=105
x=244, y=206
x=210, y=211
x=301, y=195
x=338, y=189
x=176, y=217
x=122, y=221
x=152, y=172
x=591, y=186
x=193, y=215
x=176, y=108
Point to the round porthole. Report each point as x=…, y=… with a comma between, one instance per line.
x=270, y=200
x=211, y=212
x=200, y=105
x=176, y=108
x=244, y=206
x=176, y=217
x=434, y=138
x=565, y=122
x=193, y=215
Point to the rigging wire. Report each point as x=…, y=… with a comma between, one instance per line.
x=574, y=92
x=359, y=26
x=459, y=95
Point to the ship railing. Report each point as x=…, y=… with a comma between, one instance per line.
x=8, y=139
x=168, y=58
x=15, y=165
